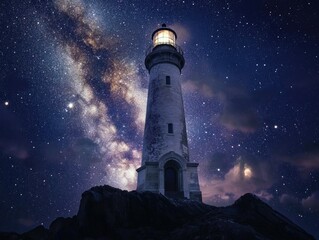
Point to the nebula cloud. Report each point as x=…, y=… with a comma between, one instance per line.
x=101, y=81
x=246, y=175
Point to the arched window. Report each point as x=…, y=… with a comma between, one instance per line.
x=170, y=128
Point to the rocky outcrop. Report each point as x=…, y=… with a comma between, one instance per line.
x=38, y=233
x=107, y=213
x=112, y=212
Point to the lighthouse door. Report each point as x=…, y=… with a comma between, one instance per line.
x=172, y=179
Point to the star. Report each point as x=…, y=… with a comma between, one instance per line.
x=70, y=105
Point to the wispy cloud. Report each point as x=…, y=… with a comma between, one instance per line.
x=288, y=199
x=246, y=175
x=306, y=159
x=238, y=113
x=311, y=203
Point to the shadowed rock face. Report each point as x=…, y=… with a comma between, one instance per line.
x=107, y=213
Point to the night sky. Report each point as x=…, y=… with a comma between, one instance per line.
x=73, y=90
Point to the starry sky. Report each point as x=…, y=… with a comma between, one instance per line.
x=73, y=90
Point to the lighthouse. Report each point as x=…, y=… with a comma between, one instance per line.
x=166, y=167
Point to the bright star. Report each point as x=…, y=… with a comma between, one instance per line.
x=71, y=105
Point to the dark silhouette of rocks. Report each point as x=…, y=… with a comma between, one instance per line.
x=107, y=213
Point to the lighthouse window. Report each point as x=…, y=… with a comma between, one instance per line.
x=164, y=37
x=168, y=80
x=170, y=128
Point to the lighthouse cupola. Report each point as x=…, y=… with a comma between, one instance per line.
x=164, y=49
x=164, y=35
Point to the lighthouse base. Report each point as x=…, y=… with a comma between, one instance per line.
x=170, y=176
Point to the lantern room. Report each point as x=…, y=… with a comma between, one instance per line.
x=164, y=35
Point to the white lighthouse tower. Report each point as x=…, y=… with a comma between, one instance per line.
x=166, y=167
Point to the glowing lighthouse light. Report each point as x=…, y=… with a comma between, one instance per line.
x=164, y=35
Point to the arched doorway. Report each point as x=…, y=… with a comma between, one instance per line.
x=173, y=179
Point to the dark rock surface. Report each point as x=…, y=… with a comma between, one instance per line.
x=107, y=213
